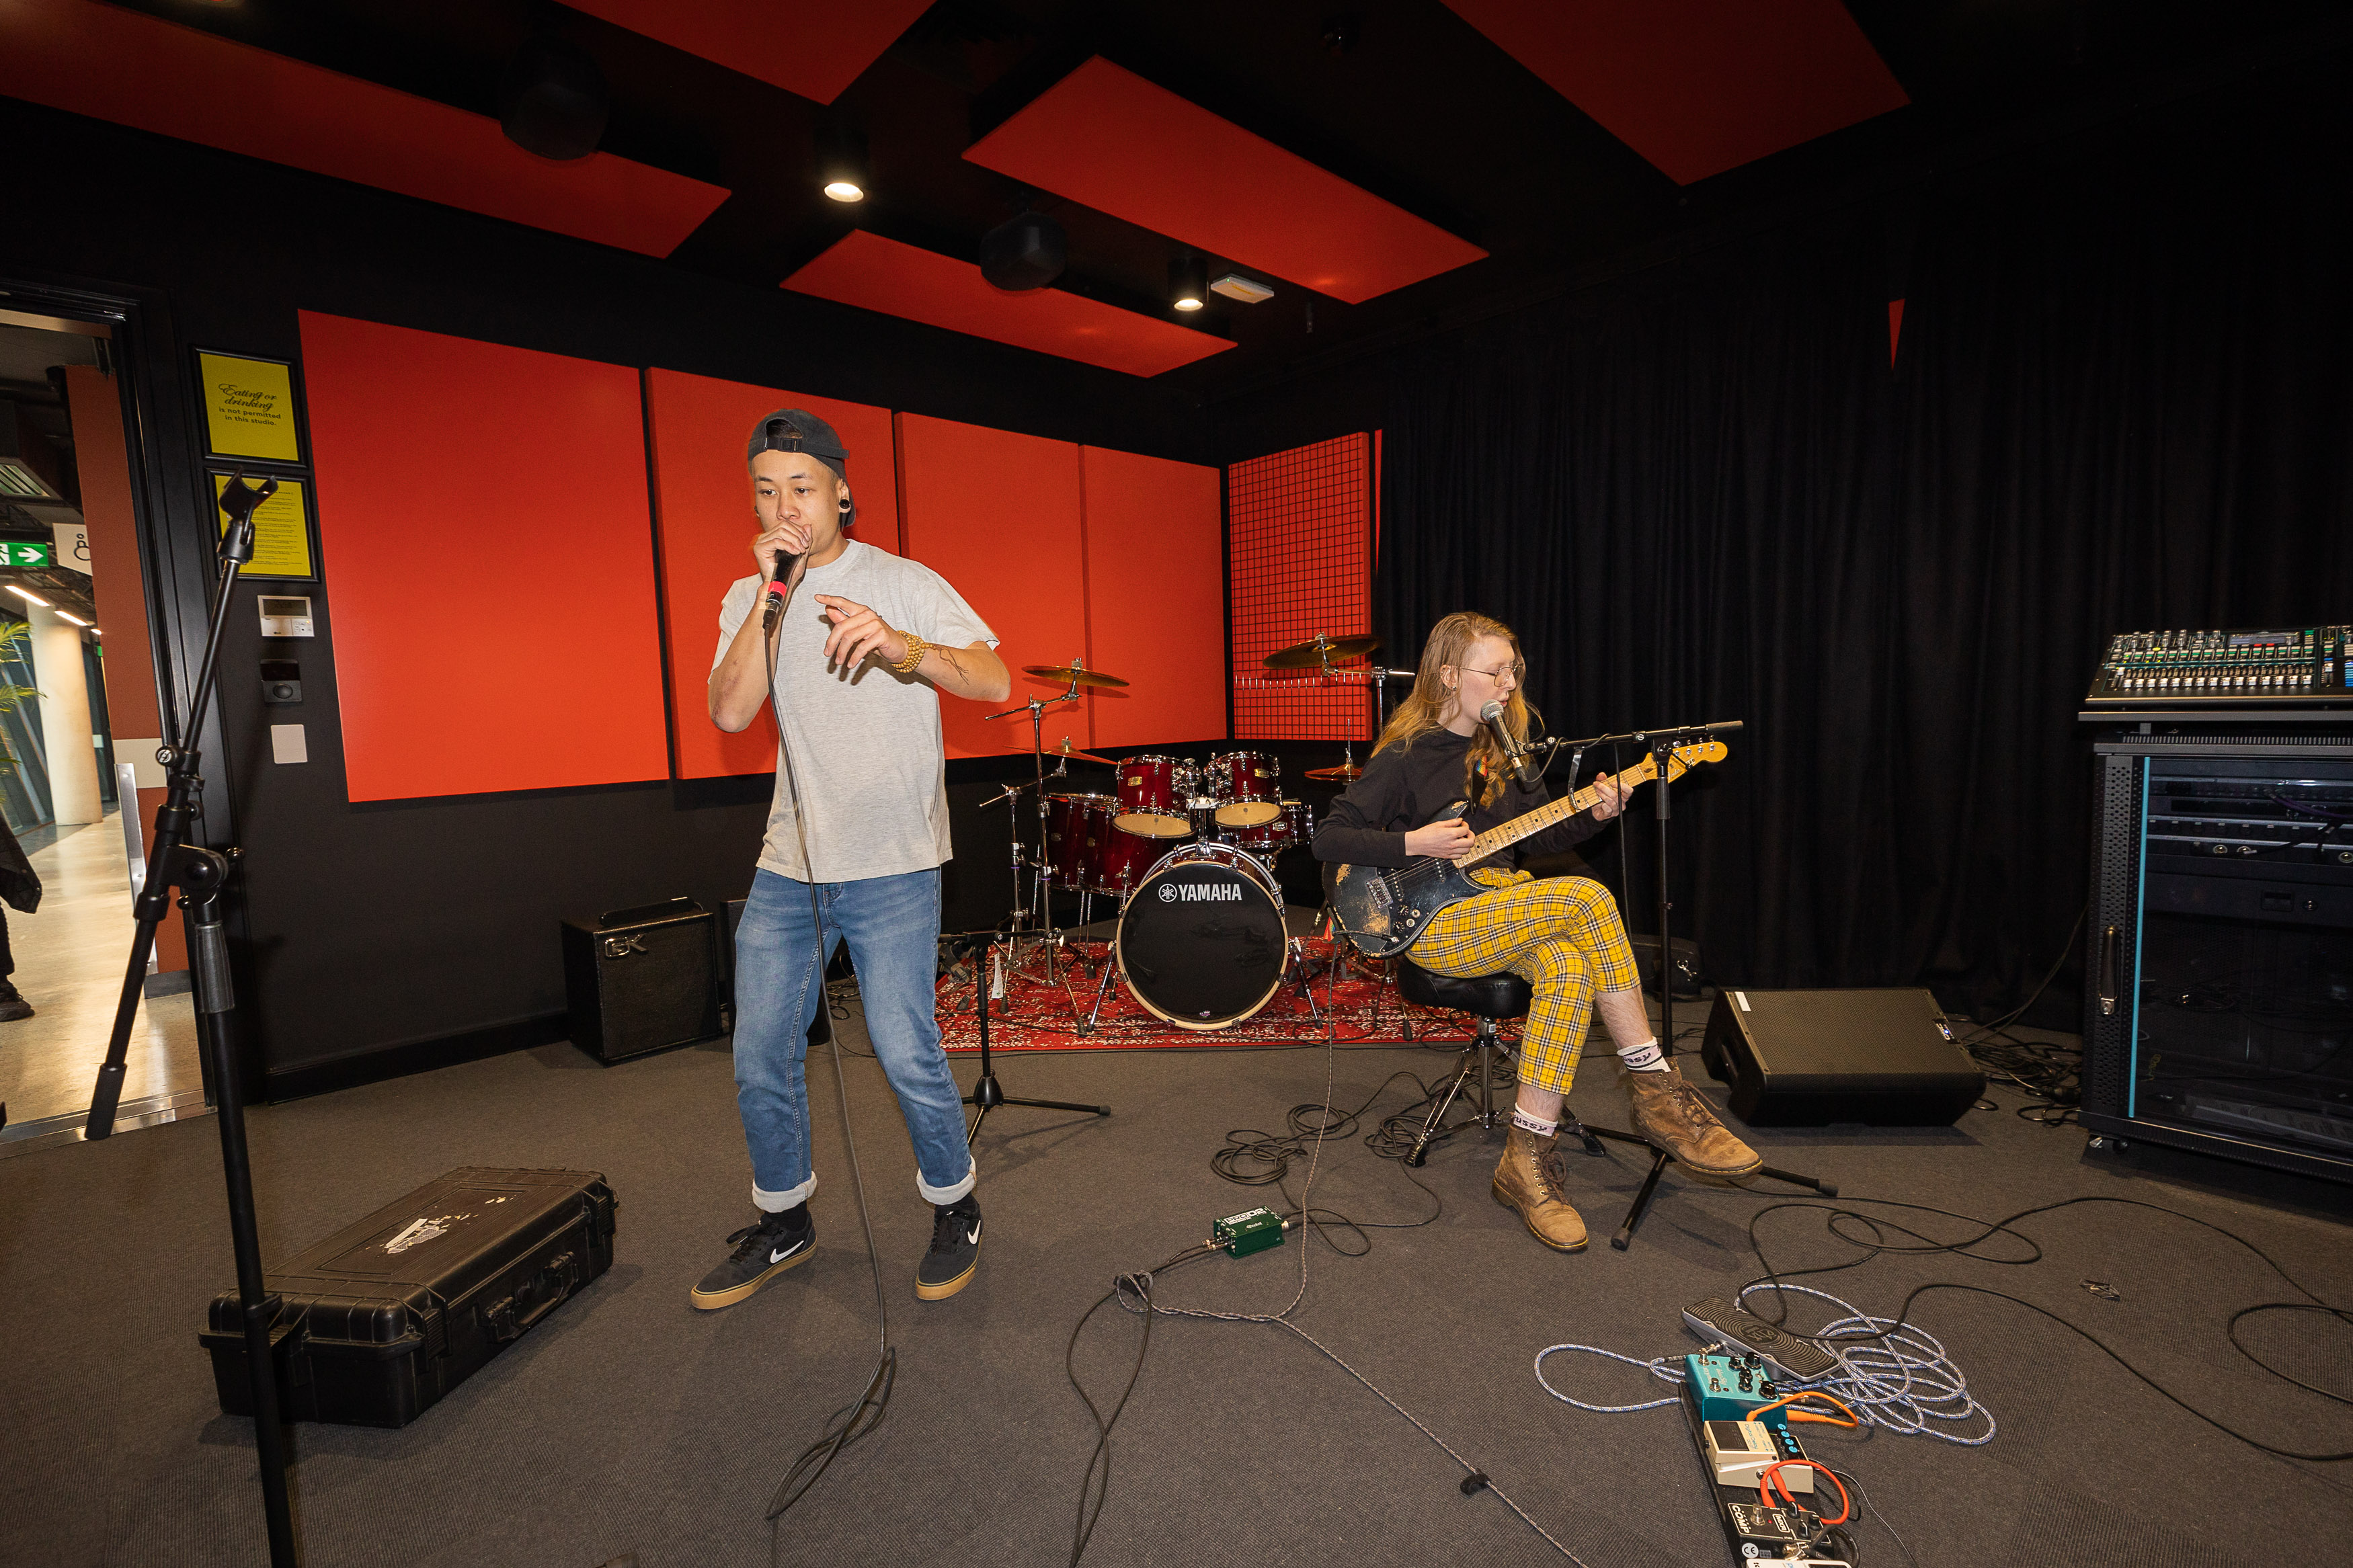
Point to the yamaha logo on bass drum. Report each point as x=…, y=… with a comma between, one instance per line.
x=1201, y=892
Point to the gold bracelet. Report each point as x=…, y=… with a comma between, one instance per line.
x=915, y=647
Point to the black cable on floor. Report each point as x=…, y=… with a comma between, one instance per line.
x=1874, y=1244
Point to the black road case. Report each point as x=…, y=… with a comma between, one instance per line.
x=388, y=1315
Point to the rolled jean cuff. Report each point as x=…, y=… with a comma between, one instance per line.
x=938, y=1196
x=778, y=1203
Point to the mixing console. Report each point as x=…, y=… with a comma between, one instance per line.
x=2225, y=670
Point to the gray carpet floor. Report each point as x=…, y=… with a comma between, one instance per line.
x=629, y=1423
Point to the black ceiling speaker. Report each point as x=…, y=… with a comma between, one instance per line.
x=552, y=100
x=1027, y=251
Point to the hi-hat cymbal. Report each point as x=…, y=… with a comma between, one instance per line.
x=1084, y=676
x=1345, y=773
x=1319, y=650
x=1065, y=750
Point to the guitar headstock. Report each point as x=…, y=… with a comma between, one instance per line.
x=1684, y=758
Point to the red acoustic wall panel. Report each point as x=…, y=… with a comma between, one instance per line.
x=1156, y=598
x=996, y=514
x=483, y=530
x=1301, y=541
x=702, y=511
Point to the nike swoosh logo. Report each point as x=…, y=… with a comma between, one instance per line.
x=972, y=1236
x=780, y=1256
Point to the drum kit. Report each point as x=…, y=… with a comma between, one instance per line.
x=1185, y=850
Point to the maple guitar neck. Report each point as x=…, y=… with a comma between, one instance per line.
x=1544, y=817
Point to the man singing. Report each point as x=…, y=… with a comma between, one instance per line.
x=864, y=646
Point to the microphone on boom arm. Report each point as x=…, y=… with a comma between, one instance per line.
x=1492, y=716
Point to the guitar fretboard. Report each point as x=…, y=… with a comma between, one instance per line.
x=1544, y=817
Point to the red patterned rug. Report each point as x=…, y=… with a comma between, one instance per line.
x=1034, y=1016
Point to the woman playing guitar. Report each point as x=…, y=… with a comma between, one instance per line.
x=1435, y=781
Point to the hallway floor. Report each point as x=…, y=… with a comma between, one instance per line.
x=70, y=967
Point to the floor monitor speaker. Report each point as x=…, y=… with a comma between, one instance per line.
x=1796, y=1058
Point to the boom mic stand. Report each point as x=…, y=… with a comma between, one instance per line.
x=199, y=873
x=1662, y=745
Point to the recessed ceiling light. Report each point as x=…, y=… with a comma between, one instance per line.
x=32, y=598
x=845, y=191
x=1248, y=291
x=841, y=162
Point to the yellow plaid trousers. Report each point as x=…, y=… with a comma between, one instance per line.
x=1561, y=934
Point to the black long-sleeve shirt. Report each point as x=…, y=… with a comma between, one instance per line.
x=1407, y=786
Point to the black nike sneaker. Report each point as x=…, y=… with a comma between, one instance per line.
x=763, y=1250
x=947, y=1267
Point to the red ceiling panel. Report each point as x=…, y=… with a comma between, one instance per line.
x=878, y=274
x=1698, y=87
x=117, y=64
x=813, y=50
x=1106, y=137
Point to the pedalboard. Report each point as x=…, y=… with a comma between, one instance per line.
x=1252, y=1230
x=1737, y=1445
x=1790, y=1358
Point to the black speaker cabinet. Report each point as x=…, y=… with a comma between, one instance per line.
x=1797, y=1059
x=642, y=980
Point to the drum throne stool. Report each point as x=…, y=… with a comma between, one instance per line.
x=1490, y=998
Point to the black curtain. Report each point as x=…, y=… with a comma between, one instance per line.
x=2124, y=400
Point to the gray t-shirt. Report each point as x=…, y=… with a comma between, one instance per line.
x=865, y=743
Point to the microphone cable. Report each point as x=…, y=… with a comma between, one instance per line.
x=863, y=1414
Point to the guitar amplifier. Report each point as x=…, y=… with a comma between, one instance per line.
x=1799, y=1059
x=642, y=980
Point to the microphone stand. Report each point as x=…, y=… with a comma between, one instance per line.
x=199, y=873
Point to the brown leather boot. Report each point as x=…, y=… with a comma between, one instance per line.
x=1670, y=1113
x=1528, y=1178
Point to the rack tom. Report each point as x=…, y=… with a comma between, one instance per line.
x=1285, y=831
x=1153, y=792
x=1247, y=786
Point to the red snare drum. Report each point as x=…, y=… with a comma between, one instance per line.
x=1152, y=794
x=1073, y=824
x=1245, y=784
x=1269, y=839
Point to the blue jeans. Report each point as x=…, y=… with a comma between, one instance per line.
x=893, y=926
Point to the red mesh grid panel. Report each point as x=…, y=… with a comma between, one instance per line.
x=1299, y=562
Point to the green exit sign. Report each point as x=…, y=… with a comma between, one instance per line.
x=24, y=553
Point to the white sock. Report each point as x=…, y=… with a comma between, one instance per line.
x=1528, y=1123
x=1644, y=1058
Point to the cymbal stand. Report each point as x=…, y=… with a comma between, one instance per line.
x=1040, y=883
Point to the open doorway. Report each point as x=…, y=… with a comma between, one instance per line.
x=79, y=729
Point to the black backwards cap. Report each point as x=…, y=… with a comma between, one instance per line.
x=798, y=430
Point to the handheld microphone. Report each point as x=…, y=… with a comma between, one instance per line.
x=1492, y=716
x=785, y=560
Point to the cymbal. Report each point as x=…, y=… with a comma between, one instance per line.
x=1071, y=672
x=1319, y=649
x=1082, y=756
x=1345, y=772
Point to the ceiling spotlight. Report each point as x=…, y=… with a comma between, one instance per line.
x=841, y=165
x=1188, y=281
x=29, y=598
x=1027, y=251
x=552, y=100
x=1248, y=290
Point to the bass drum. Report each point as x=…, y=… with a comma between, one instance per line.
x=1201, y=943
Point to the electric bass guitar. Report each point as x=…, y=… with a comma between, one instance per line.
x=1384, y=908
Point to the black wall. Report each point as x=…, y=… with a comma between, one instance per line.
x=389, y=936
x=1703, y=492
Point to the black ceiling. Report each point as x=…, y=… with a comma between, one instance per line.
x=1414, y=105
